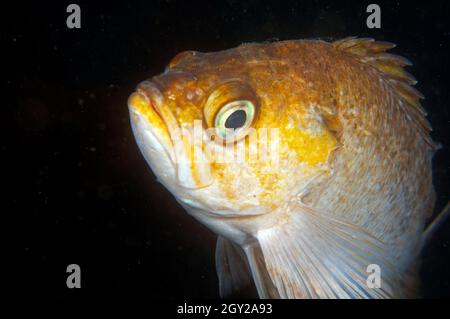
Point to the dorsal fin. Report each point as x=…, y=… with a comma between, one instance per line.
x=392, y=67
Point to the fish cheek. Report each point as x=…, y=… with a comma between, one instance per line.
x=238, y=184
x=223, y=178
x=301, y=157
x=271, y=196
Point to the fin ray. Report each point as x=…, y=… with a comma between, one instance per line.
x=313, y=255
x=434, y=225
x=232, y=268
x=262, y=280
x=373, y=53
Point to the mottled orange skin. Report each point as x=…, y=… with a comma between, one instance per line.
x=284, y=103
x=350, y=132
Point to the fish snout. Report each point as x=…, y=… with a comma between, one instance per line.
x=149, y=102
x=145, y=117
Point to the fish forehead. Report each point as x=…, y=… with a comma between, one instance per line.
x=271, y=69
x=250, y=54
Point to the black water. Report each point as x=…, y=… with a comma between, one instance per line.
x=75, y=180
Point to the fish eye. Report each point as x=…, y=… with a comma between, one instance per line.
x=234, y=118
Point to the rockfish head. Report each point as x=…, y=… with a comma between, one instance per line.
x=232, y=133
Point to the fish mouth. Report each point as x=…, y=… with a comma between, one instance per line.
x=149, y=102
x=146, y=104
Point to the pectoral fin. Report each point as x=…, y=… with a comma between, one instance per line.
x=313, y=255
x=431, y=229
x=241, y=269
x=263, y=282
x=232, y=268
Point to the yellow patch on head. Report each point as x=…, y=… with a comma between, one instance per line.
x=311, y=148
x=305, y=133
x=270, y=184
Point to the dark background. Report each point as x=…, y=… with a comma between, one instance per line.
x=76, y=182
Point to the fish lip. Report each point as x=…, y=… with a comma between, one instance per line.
x=157, y=101
x=152, y=92
x=153, y=96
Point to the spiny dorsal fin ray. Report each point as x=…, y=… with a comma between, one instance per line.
x=391, y=67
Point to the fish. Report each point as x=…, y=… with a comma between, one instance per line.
x=310, y=160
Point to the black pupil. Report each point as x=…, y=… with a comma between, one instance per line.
x=236, y=119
